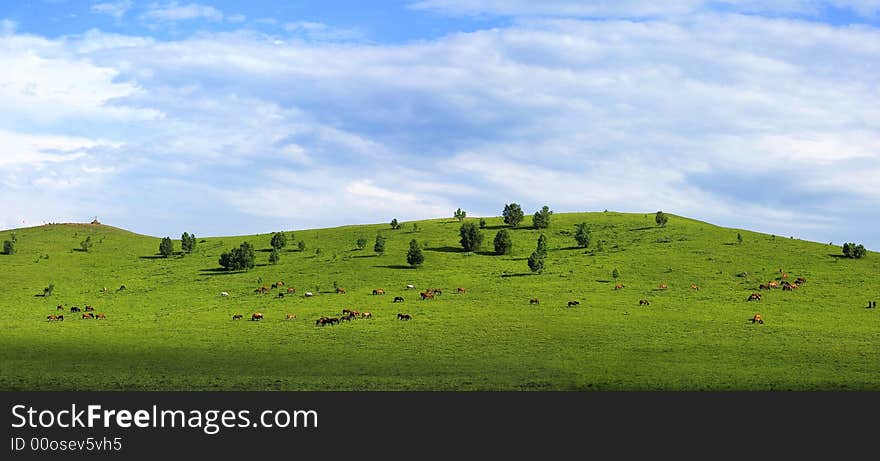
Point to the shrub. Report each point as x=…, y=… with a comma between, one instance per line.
x=482, y=223
x=503, y=242
x=615, y=274
x=542, y=245
x=541, y=219
x=49, y=289
x=414, y=256
x=471, y=237
x=536, y=262
x=301, y=245
x=513, y=214
x=739, y=238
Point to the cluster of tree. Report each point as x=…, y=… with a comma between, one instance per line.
x=536, y=260
x=166, y=247
x=188, y=242
x=241, y=258
x=851, y=250
x=9, y=245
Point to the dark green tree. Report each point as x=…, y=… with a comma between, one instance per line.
x=278, y=241
x=416, y=228
x=8, y=247
x=361, y=243
x=536, y=262
x=543, y=243
x=851, y=250
x=414, y=256
x=615, y=274
x=459, y=215
x=739, y=238
x=379, y=246
x=503, y=242
x=513, y=214
x=394, y=224
x=471, y=237
x=188, y=242
x=541, y=219
x=582, y=235
x=86, y=244
x=274, y=256
x=482, y=223
x=661, y=219
x=166, y=247
x=241, y=258
x=301, y=245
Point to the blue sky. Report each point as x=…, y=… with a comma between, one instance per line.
x=242, y=117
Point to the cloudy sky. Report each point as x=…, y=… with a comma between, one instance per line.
x=233, y=117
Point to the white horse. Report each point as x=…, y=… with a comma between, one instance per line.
x=308, y=294
x=224, y=294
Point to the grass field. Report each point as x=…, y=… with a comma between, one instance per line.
x=171, y=330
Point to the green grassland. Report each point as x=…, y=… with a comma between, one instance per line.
x=171, y=330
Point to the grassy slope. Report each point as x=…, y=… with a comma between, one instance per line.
x=171, y=330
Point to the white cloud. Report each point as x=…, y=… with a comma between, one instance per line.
x=173, y=11
x=115, y=9
x=321, y=31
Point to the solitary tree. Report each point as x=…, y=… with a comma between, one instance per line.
x=459, y=215
x=503, y=242
x=471, y=237
x=86, y=244
x=379, y=246
x=188, y=242
x=414, y=256
x=361, y=243
x=541, y=248
x=279, y=240
x=582, y=235
x=166, y=247
x=661, y=219
x=541, y=219
x=536, y=262
x=739, y=238
x=395, y=224
x=274, y=256
x=513, y=214
x=8, y=247
x=301, y=245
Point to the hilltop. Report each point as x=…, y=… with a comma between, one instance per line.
x=171, y=329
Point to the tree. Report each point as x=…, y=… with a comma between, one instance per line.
x=379, y=246
x=49, y=290
x=536, y=262
x=9, y=247
x=739, y=238
x=414, y=256
x=482, y=223
x=188, y=242
x=86, y=244
x=615, y=274
x=166, y=247
x=851, y=250
x=279, y=240
x=541, y=219
x=661, y=219
x=241, y=258
x=394, y=224
x=503, y=242
x=361, y=243
x=582, y=235
x=471, y=237
x=301, y=245
x=513, y=214
x=274, y=256
x=416, y=228
x=541, y=248
x=459, y=215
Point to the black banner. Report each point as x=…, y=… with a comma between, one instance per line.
x=247, y=425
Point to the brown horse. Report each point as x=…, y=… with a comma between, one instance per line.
x=89, y=309
x=461, y=291
x=257, y=316
x=427, y=295
x=758, y=318
x=340, y=290
x=754, y=297
x=88, y=315
x=800, y=281
x=290, y=317
x=100, y=316
x=663, y=286
x=695, y=287
x=619, y=286
x=291, y=290
x=764, y=286
x=59, y=307
x=378, y=291
x=773, y=284
x=366, y=315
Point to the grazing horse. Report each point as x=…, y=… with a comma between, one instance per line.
x=404, y=316
x=52, y=317
x=105, y=290
x=291, y=290
x=274, y=286
x=426, y=295
x=663, y=286
x=573, y=303
x=309, y=294
x=534, y=301
x=784, y=276
x=224, y=294
x=461, y=291
x=366, y=315
x=321, y=321
x=347, y=311
x=773, y=284
x=290, y=317
x=280, y=283
x=88, y=315
x=758, y=318
x=398, y=299
x=800, y=280
x=695, y=287
x=280, y=295
x=378, y=291
x=410, y=287
x=74, y=309
x=340, y=290
x=754, y=297
x=619, y=286
x=764, y=286
x=257, y=316
x=89, y=309
x=789, y=287
x=100, y=316
x=644, y=302
x=237, y=317
x=59, y=307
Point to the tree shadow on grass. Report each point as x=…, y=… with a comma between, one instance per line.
x=396, y=266
x=837, y=256
x=644, y=228
x=520, y=274
x=487, y=253
x=152, y=257
x=366, y=256
x=446, y=249
x=569, y=248
x=219, y=271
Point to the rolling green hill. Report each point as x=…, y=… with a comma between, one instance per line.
x=170, y=329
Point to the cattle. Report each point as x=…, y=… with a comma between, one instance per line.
x=89, y=309
x=773, y=284
x=663, y=286
x=291, y=290
x=644, y=302
x=461, y=290
x=410, y=287
x=237, y=317
x=88, y=315
x=573, y=303
x=754, y=297
x=309, y=294
x=366, y=315
x=398, y=299
x=695, y=287
x=404, y=316
x=764, y=286
x=290, y=317
x=74, y=309
x=59, y=307
x=224, y=294
x=534, y=301
x=619, y=286
x=378, y=291
x=758, y=318
x=256, y=316
x=436, y=291
x=100, y=316
x=426, y=295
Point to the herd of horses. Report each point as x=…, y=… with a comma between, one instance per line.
x=88, y=314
